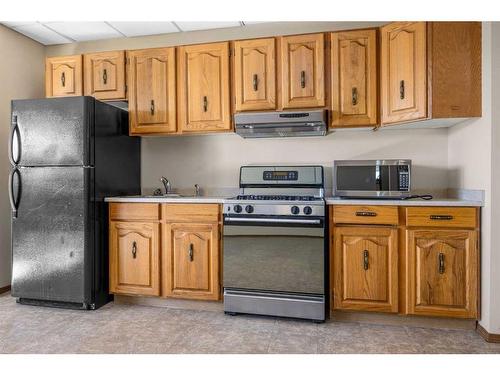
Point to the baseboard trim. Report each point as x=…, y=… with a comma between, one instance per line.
x=174, y=303
x=4, y=289
x=489, y=337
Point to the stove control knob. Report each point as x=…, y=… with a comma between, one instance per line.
x=295, y=210
x=249, y=209
x=237, y=208
x=308, y=210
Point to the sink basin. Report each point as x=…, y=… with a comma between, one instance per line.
x=168, y=196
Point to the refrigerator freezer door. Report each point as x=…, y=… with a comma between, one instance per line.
x=51, y=234
x=54, y=131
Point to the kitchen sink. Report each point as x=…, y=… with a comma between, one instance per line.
x=168, y=196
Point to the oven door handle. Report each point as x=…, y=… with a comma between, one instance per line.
x=271, y=220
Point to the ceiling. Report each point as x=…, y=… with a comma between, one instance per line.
x=48, y=33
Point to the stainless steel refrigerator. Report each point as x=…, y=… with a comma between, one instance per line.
x=67, y=154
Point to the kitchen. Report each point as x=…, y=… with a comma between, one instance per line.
x=223, y=184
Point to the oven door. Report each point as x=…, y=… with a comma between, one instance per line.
x=283, y=255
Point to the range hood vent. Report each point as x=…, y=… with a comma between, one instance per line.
x=281, y=124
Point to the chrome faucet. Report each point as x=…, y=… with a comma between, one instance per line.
x=196, y=190
x=166, y=184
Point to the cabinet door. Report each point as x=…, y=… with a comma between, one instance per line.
x=255, y=74
x=442, y=269
x=403, y=72
x=134, y=258
x=365, y=268
x=63, y=76
x=203, y=73
x=104, y=75
x=152, y=97
x=191, y=261
x=303, y=71
x=354, y=78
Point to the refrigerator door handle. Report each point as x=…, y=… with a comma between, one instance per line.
x=14, y=201
x=14, y=132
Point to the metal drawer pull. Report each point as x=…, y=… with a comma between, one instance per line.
x=402, y=89
x=205, y=104
x=63, y=79
x=441, y=217
x=365, y=259
x=303, y=79
x=354, y=96
x=365, y=213
x=191, y=255
x=105, y=76
x=270, y=220
x=255, y=82
x=441, y=263
x=152, y=109
x=134, y=249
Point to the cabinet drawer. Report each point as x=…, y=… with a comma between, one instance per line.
x=134, y=211
x=461, y=217
x=191, y=212
x=365, y=215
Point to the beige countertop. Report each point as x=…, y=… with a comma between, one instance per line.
x=448, y=202
x=160, y=199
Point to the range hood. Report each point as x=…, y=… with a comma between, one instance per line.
x=281, y=124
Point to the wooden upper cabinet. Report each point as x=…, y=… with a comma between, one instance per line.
x=203, y=88
x=63, y=76
x=104, y=75
x=302, y=62
x=365, y=268
x=442, y=273
x=135, y=258
x=191, y=261
x=354, y=78
x=403, y=72
x=254, y=75
x=152, y=94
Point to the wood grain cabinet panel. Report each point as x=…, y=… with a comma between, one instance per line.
x=191, y=261
x=302, y=71
x=63, y=76
x=354, y=78
x=365, y=268
x=152, y=96
x=403, y=71
x=135, y=258
x=203, y=91
x=254, y=75
x=104, y=75
x=442, y=273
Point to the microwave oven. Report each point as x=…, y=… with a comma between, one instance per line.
x=389, y=178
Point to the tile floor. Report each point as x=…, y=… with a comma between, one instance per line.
x=140, y=329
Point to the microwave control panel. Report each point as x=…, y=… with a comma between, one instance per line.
x=404, y=177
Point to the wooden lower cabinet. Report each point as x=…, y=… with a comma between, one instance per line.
x=191, y=261
x=365, y=268
x=442, y=272
x=135, y=258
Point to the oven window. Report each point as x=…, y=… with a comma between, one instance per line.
x=365, y=178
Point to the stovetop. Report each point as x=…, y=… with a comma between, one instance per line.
x=307, y=198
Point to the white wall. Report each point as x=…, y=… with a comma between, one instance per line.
x=21, y=76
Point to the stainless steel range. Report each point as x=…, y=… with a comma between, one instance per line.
x=274, y=243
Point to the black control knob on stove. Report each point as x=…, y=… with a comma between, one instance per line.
x=249, y=209
x=295, y=210
x=308, y=210
x=237, y=208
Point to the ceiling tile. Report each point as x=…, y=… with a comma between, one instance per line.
x=144, y=28
x=82, y=31
x=190, y=26
x=41, y=34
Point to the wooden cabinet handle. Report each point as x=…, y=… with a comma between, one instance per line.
x=191, y=252
x=63, y=79
x=303, y=79
x=441, y=263
x=402, y=89
x=441, y=217
x=365, y=213
x=205, y=104
x=152, y=109
x=134, y=249
x=365, y=259
x=255, y=82
x=354, y=95
x=105, y=76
